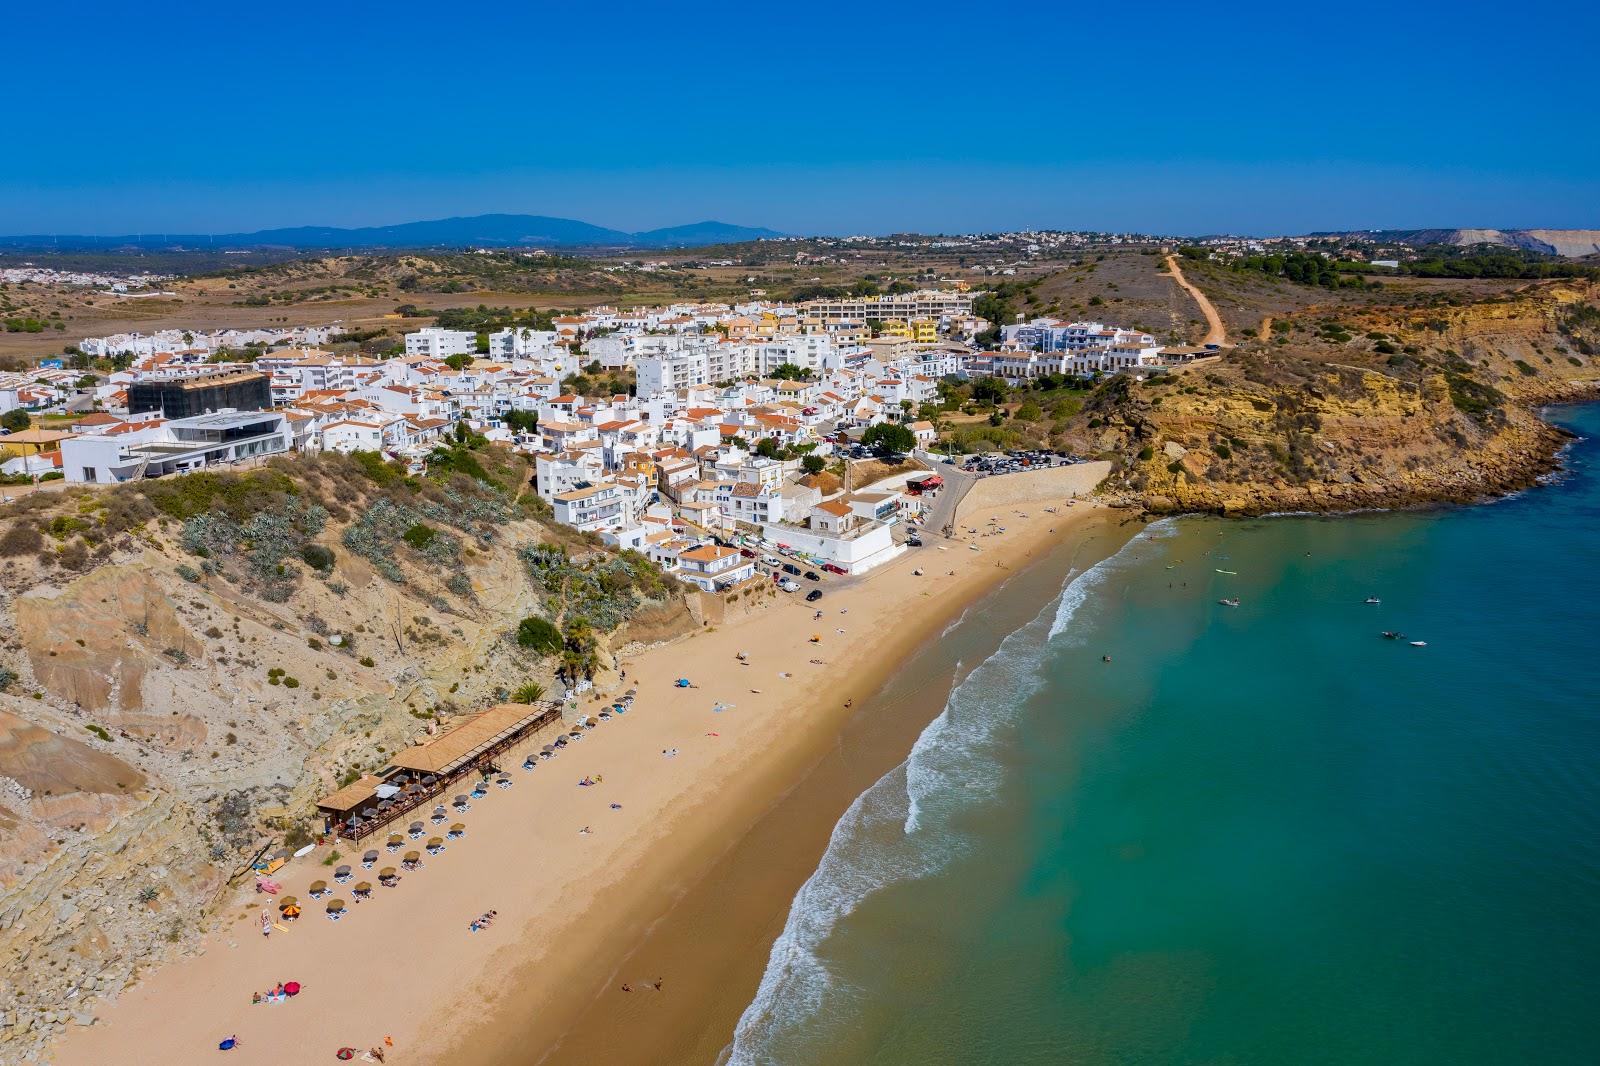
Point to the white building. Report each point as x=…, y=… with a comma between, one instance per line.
x=129, y=451
x=436, y=343
x=714, y=568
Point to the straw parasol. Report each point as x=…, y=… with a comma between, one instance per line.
x=335, y=906
x=343, y=871
x=363, y=886
x=370, y=857
x=458, y=827
x=412, y=856
x=386, y=873
x=287, y=901
x=460, y=801
x=434, y=842
x=414, y=827
x=319, y=886
x=395, y=838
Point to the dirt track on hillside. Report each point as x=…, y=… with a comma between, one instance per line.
x=1216, y=333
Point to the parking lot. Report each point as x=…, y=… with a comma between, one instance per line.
x=1014, y=462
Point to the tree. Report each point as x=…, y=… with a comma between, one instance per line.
x=16, y=420
x=459, y=361
x=790, y=372
x=767, y=447
x=989, y=390
x=531, y=692
x=813, y=464
x=889, y=437
x=521, y=421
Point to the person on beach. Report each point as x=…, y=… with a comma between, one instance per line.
x=584, y=831
x=657, y=983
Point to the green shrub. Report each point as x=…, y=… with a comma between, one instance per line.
x=99, y=731
x=289, y=682
x=538, y=634
x=1525, y=368
x=1146, y=453
x=317, y=557
x=420, y=536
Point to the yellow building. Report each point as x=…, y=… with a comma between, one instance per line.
x=924, y=330
x=34, y=441
x=894, y=327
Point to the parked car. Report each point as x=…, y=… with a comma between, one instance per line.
x=835, y=568
x=812, y=575
x=914, y=540
x=747, y=553
x=771, y=560
x=789, y=586
x=790, y=568
x=814, y=595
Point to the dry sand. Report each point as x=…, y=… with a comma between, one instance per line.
x=406, y=965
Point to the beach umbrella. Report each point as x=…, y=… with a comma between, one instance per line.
x=343, y=871
x=412, y=856
x=414, y=827
x=291, y=912
x=502, y=780
x=287, y=901
x=458, y=828
x=319, y=886
x=439, y=810
x=387, y=871
x=430, y=780
x=548, y=749
x=291, y=988
x=335, y=906
x=395, y=838
x=432, y=841
x=363, y=886
x=345, y=1054
x=459, y=800
x=369, y=857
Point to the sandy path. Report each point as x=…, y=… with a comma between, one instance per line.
x=405, y=964
x=1216, y=333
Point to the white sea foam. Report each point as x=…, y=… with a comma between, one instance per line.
x=952, y=765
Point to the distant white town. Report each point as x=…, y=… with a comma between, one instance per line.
x=730, y=403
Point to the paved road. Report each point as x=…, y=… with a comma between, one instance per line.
x=1216, y=333
x=956, y=483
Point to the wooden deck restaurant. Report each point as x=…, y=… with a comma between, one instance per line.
x=417, y=774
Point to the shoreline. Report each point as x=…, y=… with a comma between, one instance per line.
x=405, y=966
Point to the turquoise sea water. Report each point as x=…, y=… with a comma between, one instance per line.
x=1259, y=835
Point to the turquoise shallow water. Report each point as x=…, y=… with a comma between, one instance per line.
x=1260, y=834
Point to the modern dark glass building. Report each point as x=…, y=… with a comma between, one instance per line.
x=198, y=394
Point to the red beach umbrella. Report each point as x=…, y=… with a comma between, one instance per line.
x=292, y=988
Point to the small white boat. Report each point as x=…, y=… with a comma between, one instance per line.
x=1372, y=601
x=1419, y=644
x=1231, y=601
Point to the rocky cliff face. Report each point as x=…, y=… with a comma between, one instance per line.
x=1393, y=407
x=174, y=703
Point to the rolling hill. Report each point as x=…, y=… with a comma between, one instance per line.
x=495, y=231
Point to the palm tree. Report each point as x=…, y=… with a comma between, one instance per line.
x=531, y=692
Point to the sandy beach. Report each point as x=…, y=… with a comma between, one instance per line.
x=574, y=879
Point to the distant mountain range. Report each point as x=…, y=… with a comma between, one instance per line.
x=483, y=231
x=1572, y=243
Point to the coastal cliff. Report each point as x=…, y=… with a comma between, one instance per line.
x=1386, y=407
x=185, y=666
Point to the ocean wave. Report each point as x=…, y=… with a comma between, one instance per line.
x=902, y=827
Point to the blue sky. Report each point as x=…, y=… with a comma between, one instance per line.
x=819, y=118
